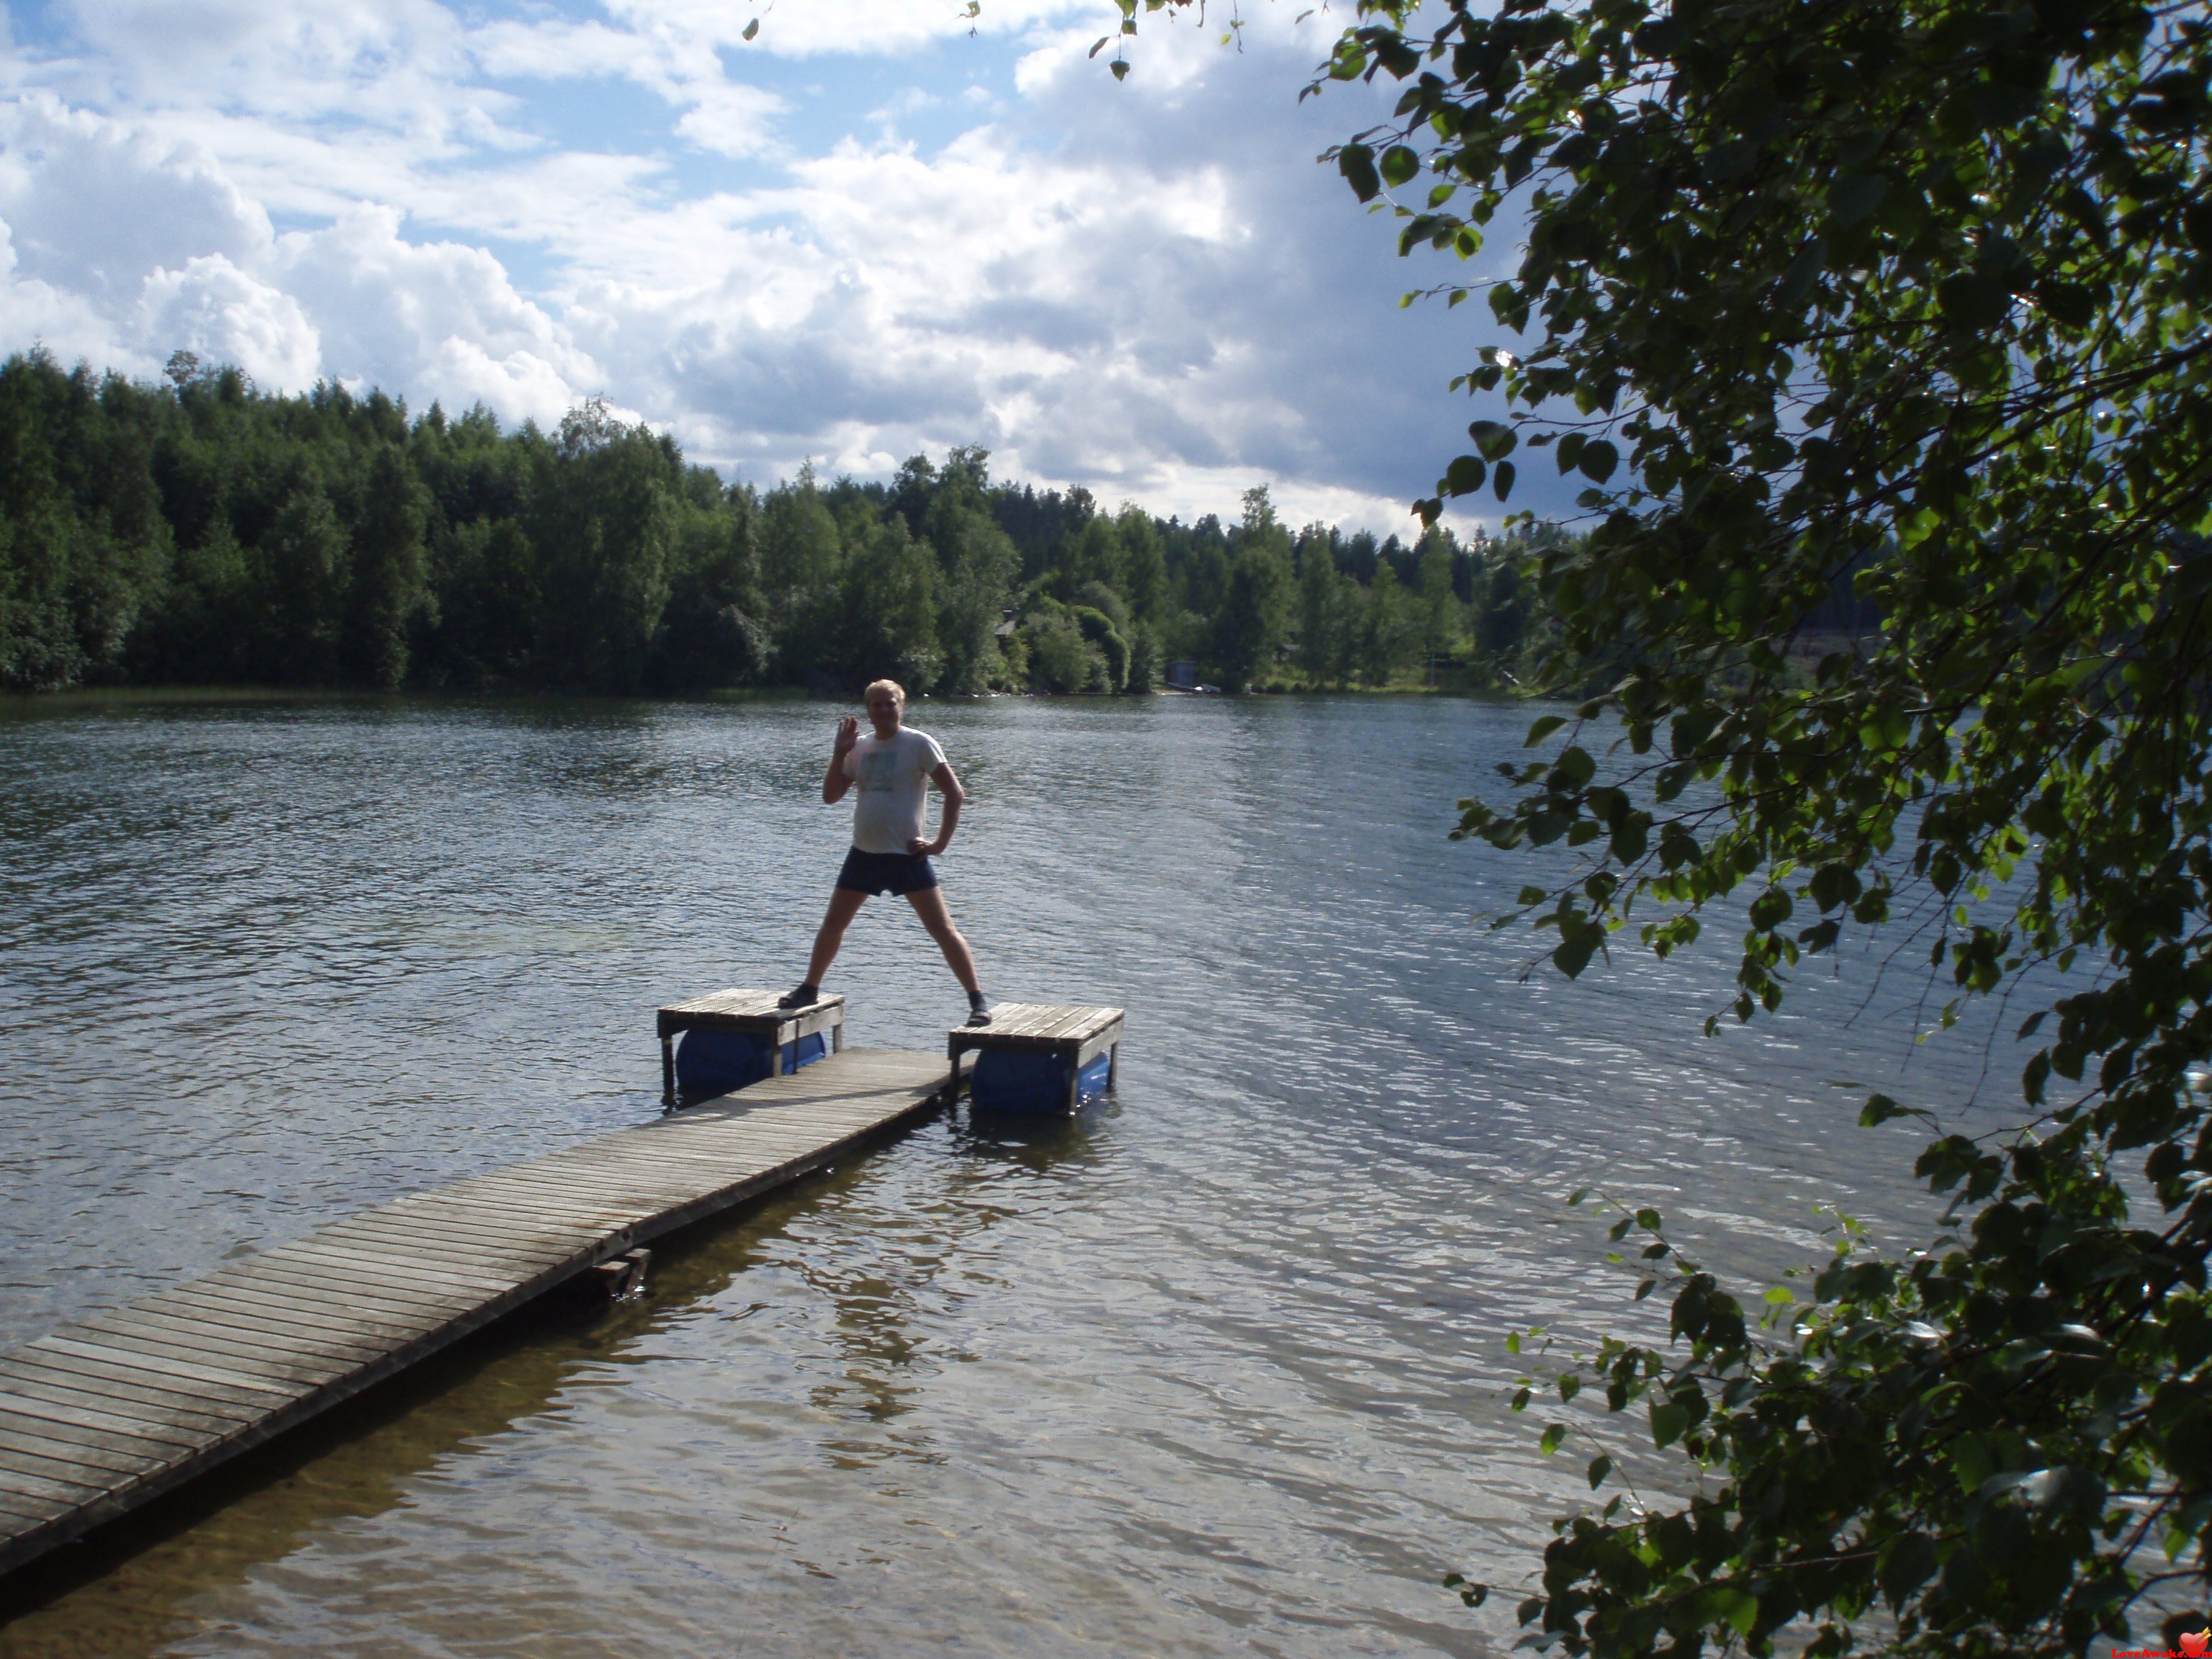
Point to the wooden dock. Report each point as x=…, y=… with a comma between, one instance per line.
x=102, y=1415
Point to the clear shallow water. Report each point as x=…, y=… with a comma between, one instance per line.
x=1218, y=1368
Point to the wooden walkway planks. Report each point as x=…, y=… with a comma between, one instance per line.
x=102, y=1415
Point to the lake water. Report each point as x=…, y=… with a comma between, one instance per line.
x=1217, y=1368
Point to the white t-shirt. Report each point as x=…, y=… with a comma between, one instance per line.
x=893, y=775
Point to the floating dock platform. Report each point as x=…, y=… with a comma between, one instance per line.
x=107, y=1414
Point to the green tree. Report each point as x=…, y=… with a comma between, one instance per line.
x=1060, y=659
x=603, y=525
x=977, y=563
x=711, y=634
x=301, y=572
x=1146, y=662
x=1144, y=564
x=1098, y=628
x=1908, y=296
x=1255, y=612
x=1326, y=630
x=1093, y=554
x=390, y=592
x=1387, y=637
x=1439, y=612
x=798, y=548
x=888, y=606
x=490, y=610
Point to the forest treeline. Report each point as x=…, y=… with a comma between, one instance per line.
x=202, y=531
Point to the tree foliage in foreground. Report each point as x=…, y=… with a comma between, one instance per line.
x=1908, y=295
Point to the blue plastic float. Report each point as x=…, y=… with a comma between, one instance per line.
x=718, y=1062
x=1009, y=1081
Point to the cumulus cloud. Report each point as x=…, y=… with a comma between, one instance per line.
x=221, y=314
x=437, y=320
x=1147, y=287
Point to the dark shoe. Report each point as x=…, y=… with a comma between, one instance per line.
x=979, y=1015
x=805, y=997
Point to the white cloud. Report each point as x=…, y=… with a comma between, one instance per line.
x=92, y=205
x=439, y=319
x=221, y=314
x=1145, y=287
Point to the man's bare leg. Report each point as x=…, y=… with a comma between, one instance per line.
x=845, y=903
x=929, y=904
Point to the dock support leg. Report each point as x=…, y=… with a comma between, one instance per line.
x=623, y=1277
x=668, y=1068
x=837, y=1038
x=1075, y=1087
x=1114, y=1069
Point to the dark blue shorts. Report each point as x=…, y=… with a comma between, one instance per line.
x=886, y=873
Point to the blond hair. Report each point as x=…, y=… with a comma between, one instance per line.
x=892, y=686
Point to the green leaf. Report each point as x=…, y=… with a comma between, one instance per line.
x=1493, y=438
x=1399, y=165
x=1357, y=163
x=1597, y=459
x=1573, y=954
x=1879, y=1109
x=751, y=30
x=1550, y=1441
x=1854, y=196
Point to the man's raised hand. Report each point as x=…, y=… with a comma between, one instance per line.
x=848, y=733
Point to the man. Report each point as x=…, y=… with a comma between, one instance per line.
x=894, y=768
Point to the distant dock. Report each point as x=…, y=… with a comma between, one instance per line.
x=111, y=1412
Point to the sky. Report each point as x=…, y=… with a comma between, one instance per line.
x=878, y=227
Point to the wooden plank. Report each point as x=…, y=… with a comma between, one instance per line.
x=314, y=1305
x=33, y=1509
x=617, y=1200
x=458, y=1230
x=130, y=1401
x=276, y=1368
x=33, y=1491
x=504, y=1269
x=54, y=1460
x=747, y=1004
x=294, y=1313
x=539, y=1218
x=75, y=1342
x=68, y=1426
x=203, y=1396
x=310, y=1278
x=203, y=1416
x=25, y=1515
x=323, y=1340
x=387, y=1265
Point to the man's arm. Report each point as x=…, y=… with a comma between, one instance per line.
x=949, y=819
x=835, y=783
